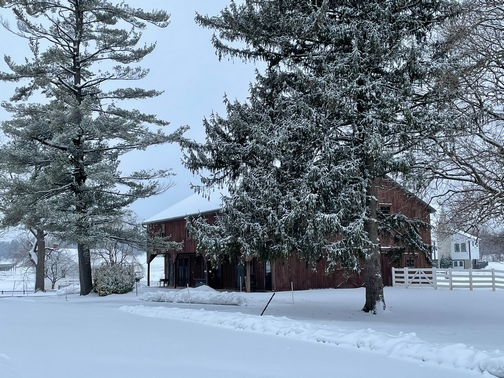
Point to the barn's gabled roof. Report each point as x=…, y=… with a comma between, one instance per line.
x=198, y=204
x=430, y=208
x=192, y=205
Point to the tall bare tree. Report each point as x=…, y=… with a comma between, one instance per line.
x=469, y=162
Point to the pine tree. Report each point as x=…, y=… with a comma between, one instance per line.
x=81, y=47
x=21, y=164
x=346, y=98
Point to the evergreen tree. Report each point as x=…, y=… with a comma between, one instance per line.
x=21, y=164
x=80, y=47
x=346, y=98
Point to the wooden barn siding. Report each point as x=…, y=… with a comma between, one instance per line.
x=176, y=229
x=303, y=278
x=386, y=270
x=389, y=192
x=229, y=276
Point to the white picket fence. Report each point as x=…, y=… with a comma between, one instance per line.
x=449, y=278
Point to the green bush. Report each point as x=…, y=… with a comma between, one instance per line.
x=114, y=279
x=446, y=263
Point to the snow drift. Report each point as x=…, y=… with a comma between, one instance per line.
x=202, y=295
x=407, y=346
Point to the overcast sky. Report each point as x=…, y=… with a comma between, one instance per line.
x=185, y=66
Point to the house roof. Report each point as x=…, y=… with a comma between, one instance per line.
x=192, y=205
x=466, y=235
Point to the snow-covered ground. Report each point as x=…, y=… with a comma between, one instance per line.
x=200, y=332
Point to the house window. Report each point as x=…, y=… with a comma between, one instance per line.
x=187, y=234
x=457, y=247
x=463, y=247
x=410, y=263
x=458, y=264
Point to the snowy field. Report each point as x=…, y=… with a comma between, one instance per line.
x=201, y=332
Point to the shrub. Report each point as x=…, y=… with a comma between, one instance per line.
x=114, y=279
x=446, y=262
x=480, y=264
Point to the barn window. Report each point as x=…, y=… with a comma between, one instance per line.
x=385, y=209
x=410, y=263
x=163, y=230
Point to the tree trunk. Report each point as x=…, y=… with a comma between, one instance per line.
x=40, y=267
x=86, y=283
x=372, y=265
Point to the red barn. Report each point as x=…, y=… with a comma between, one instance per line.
x=185, y=267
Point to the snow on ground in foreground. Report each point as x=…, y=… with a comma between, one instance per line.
x=423, y=333
x=402, y=345
x=200, y=295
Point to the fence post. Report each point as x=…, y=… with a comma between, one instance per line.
x=470, y=280
x=434, y=277
x=450, y=278
x=493, y=279
x=405, y=269
x=393, y=276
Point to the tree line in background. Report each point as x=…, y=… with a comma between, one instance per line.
x=352, y=91
x=61, y=261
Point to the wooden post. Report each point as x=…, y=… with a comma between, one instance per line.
x=450, y=278
x=434, y=277
x=406, y=277
x=189, y=295
x=393, y=277
x=273, y=275
x=247, y=277
x=470, y=280
x=148, y=274
x=493, y=279
x=175, y=270
x=292, y=290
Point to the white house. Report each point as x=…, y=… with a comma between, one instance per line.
x=463, y=249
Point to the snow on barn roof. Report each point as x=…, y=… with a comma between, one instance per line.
x=192, y=205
